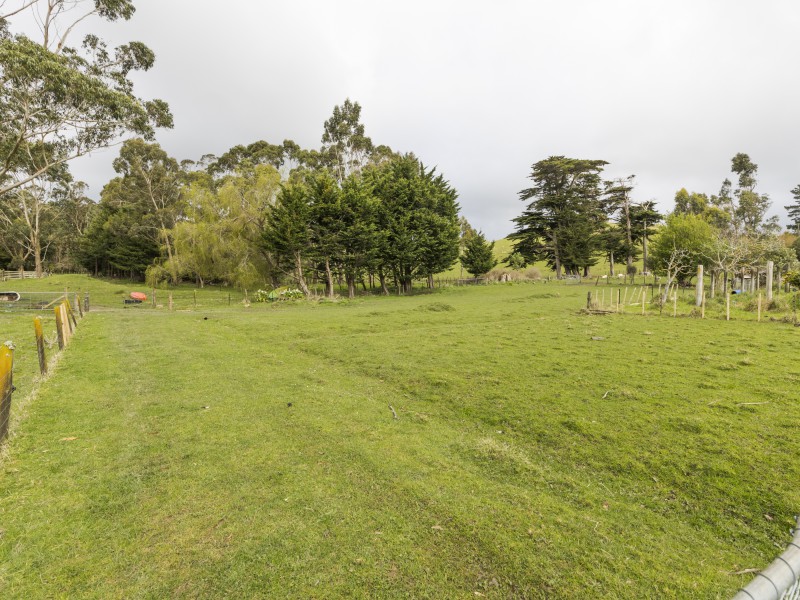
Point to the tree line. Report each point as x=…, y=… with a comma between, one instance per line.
x=260, y=213
x=574, y=218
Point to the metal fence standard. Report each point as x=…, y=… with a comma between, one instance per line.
x=781, y=579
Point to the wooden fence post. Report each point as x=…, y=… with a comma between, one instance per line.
x=703, y=307
x=698, y=295
x=37, y=328
x=588, y=300
x=71, y=315
x=78, y=304
x=170, y=301
x=759, y=307
x=728, y=306
x=59, y=327
x=6, y=387
x=675, y=303
x=86, y=302
x=770, y=275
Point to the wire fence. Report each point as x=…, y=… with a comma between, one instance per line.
x=66, y=325
x=13, y=300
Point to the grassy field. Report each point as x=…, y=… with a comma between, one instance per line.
x=232, y=451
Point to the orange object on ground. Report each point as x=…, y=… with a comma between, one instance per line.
x=138, y=296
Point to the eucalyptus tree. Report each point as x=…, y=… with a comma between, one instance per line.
x=344, y=142
x=58, y=102
x=752, y=206
x=564, y=217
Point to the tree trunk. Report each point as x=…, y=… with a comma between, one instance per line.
x=382, y=279
x=629, y=264
x=298, y=268
x=611, y=262
x=351, y=287
x=644, y=249
x=37, y=254
x=430, y=282
x=328, y=278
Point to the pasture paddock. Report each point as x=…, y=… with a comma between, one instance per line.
x=537, y=452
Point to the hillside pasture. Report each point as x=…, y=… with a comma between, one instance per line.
x=232, y=451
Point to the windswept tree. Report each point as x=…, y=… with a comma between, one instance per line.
x=564, y=218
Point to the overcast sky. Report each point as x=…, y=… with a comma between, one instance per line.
x=666, y=90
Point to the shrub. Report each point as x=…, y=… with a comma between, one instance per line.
x=277, y=294
x=532, y=273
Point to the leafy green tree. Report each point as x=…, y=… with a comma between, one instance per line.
x=564, y=218
x=151, y=180
x=344, y=141
x=618, y=200
x=751, y=206
x=137, y=213
x=325, y=221
x=359, y=239
x=58, y=103
x=417, y=215
x=71, y=211
x=478, y=257
x=793, y=210
x=681, y=244
x=287, y=231
x=644, y=217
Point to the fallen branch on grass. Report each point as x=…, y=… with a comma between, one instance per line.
x=393, y=413
x=751, y=403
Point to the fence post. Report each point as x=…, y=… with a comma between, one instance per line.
x=37, y=328
x=759, y=307
x=770, y=275
x=78, y=304
x=698, y=295
x=71, y=315
x=86, y=302
x=588, y=300
x=728, y=306
x=59, y=327
x=6, y=387
x=170, y=301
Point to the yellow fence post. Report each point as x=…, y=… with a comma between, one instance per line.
x=37, y=327
x=6, y=387
x=59, y=328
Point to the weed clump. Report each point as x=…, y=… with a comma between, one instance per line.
x=437, y=307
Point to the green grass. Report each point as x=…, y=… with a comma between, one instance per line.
x=537, y=452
